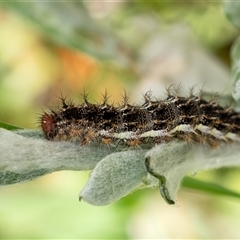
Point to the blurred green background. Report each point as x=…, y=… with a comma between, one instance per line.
x=48, y=48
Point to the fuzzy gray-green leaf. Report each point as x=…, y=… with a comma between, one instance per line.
x=114, y=177
x=26, y=154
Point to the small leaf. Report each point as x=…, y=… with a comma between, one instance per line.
x=114, y=177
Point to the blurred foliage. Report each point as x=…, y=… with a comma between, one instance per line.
x=69, y=24
x=50, y=46
x=232, y=9
x=232, y=12
x=204, y=18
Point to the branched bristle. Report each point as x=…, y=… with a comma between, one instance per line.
x=169, y=90
x=84, y=96
x=177, y=89
x=125, y=98
x=147, y=96
x=201, y=91
x=214, y=98
x=63, y=100
x=105, y=97
x=192, y=91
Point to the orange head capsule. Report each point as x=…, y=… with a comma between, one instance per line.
x=48, y=126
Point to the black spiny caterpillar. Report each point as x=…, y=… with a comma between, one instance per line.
x=190, y=119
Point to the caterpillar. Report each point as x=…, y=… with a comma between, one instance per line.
x=190, y=119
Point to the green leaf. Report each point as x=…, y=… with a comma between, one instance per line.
x=208, y=187
x=9, y=127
